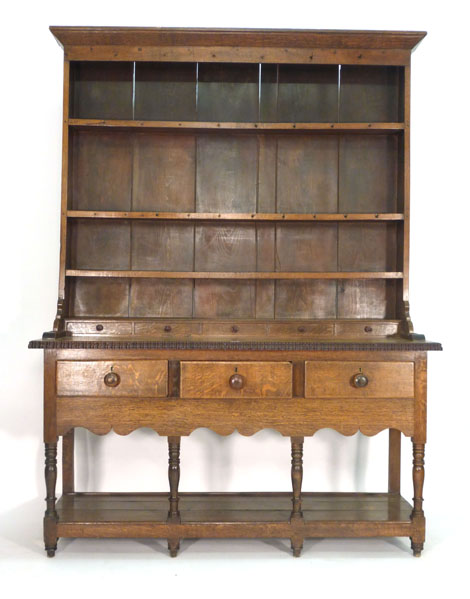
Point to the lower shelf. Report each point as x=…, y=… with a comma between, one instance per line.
x=236, y=515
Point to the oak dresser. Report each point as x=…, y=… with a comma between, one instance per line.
x=234, y=255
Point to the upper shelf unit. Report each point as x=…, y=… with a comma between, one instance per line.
x=234, y=93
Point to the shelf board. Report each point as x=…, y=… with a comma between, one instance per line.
x=256, y=126
x=233, y=514
x=232, y=216
x=158, y=274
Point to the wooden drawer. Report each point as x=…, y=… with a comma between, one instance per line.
x=211, y=380
x=383, y=380
x=120, y=378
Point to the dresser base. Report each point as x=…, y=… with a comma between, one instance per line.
x=234, y=515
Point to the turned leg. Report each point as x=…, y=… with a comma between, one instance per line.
x=296, y=517
x=50, y=516
x=174, y=478
x=417, y=515
x=68, y=462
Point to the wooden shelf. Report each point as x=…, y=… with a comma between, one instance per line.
x=234, y=216
x=240, y=514
x=349, y=127
x=158, y=274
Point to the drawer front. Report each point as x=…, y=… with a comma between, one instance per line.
x=120, y=378
x=212, y=380
x=381, y=380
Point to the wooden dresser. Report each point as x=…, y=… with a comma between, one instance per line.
x=234, y=255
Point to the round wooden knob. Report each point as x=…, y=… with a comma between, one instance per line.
x=112, y=379
x=99, y=327
x=360, y=380
x=167, y=328
x=236, y=381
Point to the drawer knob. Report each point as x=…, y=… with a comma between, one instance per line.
x=112, y=379
x=236, y=381
x=360, y=380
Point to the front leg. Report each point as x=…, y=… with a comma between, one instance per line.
x=50, y=516
x=174, y=478
x=417, y=515
x=296, y=518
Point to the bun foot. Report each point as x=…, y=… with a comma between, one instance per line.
x=50, y=551
x=417, y=548
x=173, y=547
x=296, y=548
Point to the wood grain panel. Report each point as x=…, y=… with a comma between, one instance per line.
x=222, y=248
x=333, y=379
x=299, y=330
x=369, y=93
x=161, y=298
x=305, y=299
x=224, y=298
x=307, y=173
x=101, y=170
x=210, y=380
x=163, y=172
x=227, y=92
x=356, y=330
x=367, y=247
x=301, y=247
x=99, y=297
x=167, y=329
x=102, y=90
x=101, y=328
x=165, y=91
x=308, y=93
x=267, y=157
x=138, y=378
x=162, y=246
x=226, y=173
x=264, y=294
x=290, y=416
x=366, y=299
x=100, y=245
x=368, y=173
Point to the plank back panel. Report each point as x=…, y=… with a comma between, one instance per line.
x=163, y=172
x=226, y=173
x=101, y=90
x=228, y=92
x=307, y=173
x=165, y=91
x=101, y=171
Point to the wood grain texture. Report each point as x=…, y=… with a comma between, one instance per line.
x=367, y=173
x=138, y=378
x=335, y=379
x=226, y=173
x=163, y=172
x=161, y=298
x=228, y=125
x=209, y=380
x=307, y=174
x=180, y=417
x=101, y=171
x=165, y=91
x=283, y=38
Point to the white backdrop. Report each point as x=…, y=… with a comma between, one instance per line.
x=31, y=139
